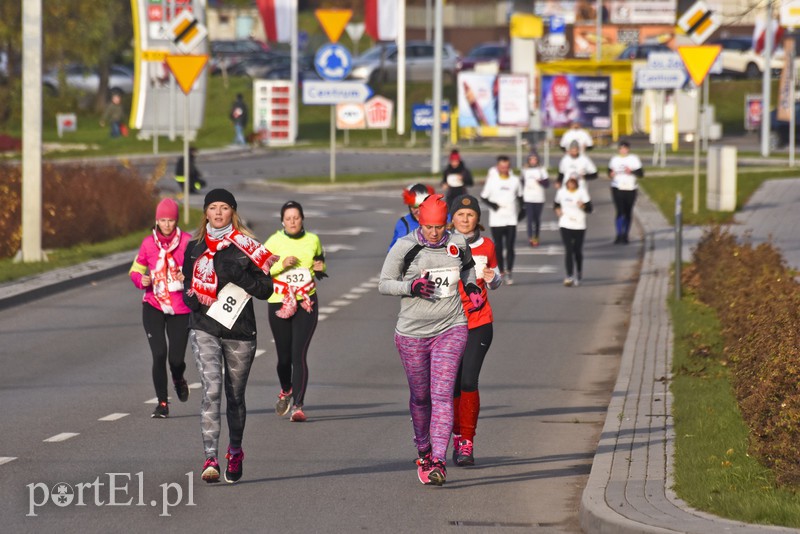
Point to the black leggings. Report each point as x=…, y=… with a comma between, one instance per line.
x=533, y=210
x=479, y=340
x=504, y=237
x=292, y=338
x=623, y=202
x=159, y=326
x=573, y=248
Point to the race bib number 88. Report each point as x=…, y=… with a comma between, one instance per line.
x=229, y=305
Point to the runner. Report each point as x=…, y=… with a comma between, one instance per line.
x=575, y=163
x=572, y=203
x=466, y=215
x=624, y=170
x=576, y=133
x=157, y=270
x=501, y=192
x=293, y=283
x=456, y=177
x=424, y=268
x=224, y=267
x=534, y=183
x=413, y=195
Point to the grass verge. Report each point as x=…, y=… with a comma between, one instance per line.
x=713, y=471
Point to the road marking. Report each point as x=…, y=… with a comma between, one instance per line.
x=322, y=317
x=340, y=303
x=547, y=225
x=113, y=417
x=6, y=459
x=154, y=400
x=61, y=437
x=327, y=309
x=195, y=385
x=259, y=352
x=384, y=211
x=352, y=295
x=336, y=247
x=539, y=269
x=550, y=250
x=360, y=290
x=354, y=231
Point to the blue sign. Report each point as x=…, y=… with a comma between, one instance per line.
x=422, y=117
x=302, y=39
x=333, y=62
x=557, y=24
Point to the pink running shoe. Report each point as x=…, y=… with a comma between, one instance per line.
x=456, y=446
x=210, y=470
x=234, y=471
x=464, y=456
x=424, y=464
x=298, y=416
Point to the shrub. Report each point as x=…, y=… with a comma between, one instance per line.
x=757, y=301
x=80, y=204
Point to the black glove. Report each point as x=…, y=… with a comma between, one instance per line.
x=423, y=287
x=494, y=205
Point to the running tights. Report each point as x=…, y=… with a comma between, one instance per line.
x=159, y=326
x=479, y=340
x=623, y=202
x=533, y=211
x=504, y=237
x=573, y=248
x=292, y=338
x=211, y=354
x=431, y=366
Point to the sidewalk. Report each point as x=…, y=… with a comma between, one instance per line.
x=629, y=488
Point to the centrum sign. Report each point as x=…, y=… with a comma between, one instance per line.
x=332, y=93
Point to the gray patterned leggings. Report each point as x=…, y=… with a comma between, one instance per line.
x=210, y=352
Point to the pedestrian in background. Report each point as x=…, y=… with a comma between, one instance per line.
x=239, y=119
x=224, y=267
x=293, y=284
x=573, y=163
x=466, y=217
x=579, y=134
x=624, y=169
x=571, y=204
x=456, y=177
x=413, y=195
x=114, y=116
x=534, y=184
x=502, y=193
x=196, y=182
x=424, y=268
x=157, y=270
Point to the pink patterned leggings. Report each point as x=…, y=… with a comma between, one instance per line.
x=431, y=365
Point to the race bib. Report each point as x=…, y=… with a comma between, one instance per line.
x=229, y=305
x=446, y=280
x=455, y=180
x=297, y=277
x=172, y=283
x=480, y=264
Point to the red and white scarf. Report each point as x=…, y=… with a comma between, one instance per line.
x=204, y=278
x=165, y=275
x=290, y=293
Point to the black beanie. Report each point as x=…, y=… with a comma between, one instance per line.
x=465, y=202
x=292, y=204
x=219, y=195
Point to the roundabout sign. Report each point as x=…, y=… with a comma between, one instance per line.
x=333, y=62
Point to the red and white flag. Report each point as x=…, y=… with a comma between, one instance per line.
x=277, y=17
x=380, y=18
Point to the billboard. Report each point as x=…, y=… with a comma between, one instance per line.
x=614, y=11
x=477, y=100
x=568, y=98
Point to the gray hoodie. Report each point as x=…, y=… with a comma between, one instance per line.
x=420, y=317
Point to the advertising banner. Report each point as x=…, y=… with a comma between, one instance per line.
x=584, y=99
x=787, y=77
x=477, y=100
x=422, y=117
x=752, y=112
x=513, y=99
x=157, y=103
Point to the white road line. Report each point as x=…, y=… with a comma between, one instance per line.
x=353, y=231
x=359, y=290
x=384, y=211
x=195, y=385
x=113, y=417
x=340, y=303
x=539, y=269
x=154, y=400
x=322, y=317
x=61, y=437
x=550, y=250
x=6, y=459
x=352, y=296
x=375, y=279
x=327, y=310
x=336, y=247
x=259, y=352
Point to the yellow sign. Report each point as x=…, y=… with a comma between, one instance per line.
x=525, y=26
x=698, y=60
x=186, y=69
x=333, y=21
x=154, y=55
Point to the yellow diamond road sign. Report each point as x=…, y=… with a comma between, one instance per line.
x=186, y=69
x=186, y=32
x=698, y=60
x=699, y=22
x=333, y=21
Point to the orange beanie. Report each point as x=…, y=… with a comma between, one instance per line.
x=433, y=211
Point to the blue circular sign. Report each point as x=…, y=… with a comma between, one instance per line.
x=333, y=62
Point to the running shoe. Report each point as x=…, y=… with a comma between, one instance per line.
x=576, y=282
x=568, y=281
x=534, y=242
x=161, y=411
x=284, y=402
x=211, y=470
x=464, y=454
x=234, y=471
x=182, y=389
x=456, y=445
x=298, y=416
x=424, y=465
x=507, y=280
x=438, y=473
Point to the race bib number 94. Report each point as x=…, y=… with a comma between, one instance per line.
x=446, y=280
x=229, y=305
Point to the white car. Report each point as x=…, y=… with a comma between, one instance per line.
x=370, y=68
x=740, y=60
x=120, y=79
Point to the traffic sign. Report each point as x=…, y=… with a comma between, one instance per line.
x=660, y=78
x=698, y=60
x=185, y=31
x=333, y=62
x=186, y=69
x=790, y=13
x=333, y=21
x=379, y=112
x=331, y=93
x=699, y=22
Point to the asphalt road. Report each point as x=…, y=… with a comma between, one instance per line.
x=78, y=357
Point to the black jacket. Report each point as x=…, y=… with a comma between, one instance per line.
x=231, y=265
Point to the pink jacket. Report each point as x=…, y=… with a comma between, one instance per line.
x=145, y=262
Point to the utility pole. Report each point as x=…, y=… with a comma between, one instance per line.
x=32, y=131
x=766, y=81
x=436, y=129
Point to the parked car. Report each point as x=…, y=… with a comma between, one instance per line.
x=642, y=50
x=225, y=54
x=379, y=63
x=120, y=79
x=740, y=60
x=259, y=66
x=487, y=52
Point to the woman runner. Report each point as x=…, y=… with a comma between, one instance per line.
x=571, y=204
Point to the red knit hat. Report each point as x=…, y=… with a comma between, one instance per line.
x=167, y=209
x=433, y=211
